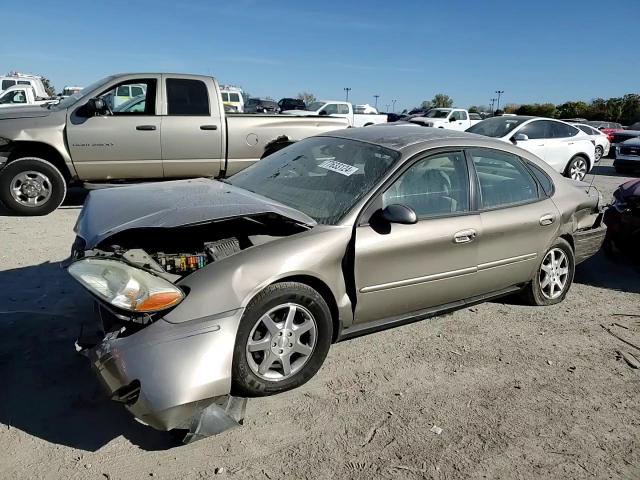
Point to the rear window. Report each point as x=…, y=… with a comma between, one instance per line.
x=187, y=97
x=234, y=97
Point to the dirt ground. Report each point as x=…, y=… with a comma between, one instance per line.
x=519, y=392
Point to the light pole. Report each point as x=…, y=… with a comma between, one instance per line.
x=499, y=92
x=376, y=97
x=347, y=89
x=387, y=109
x=393, y=108
x=493, y=100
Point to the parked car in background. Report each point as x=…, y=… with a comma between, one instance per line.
x=600, y=139
x=233, y=96
x=621, y=136
x=68, y=90
x=336, y=108
x=627, y=157
x=634, y=126
x=623, y=220
x=257, y=105
x=566, y=148
x=181, y=132
x=22, y=96
x=123, y=94
x=206, y=289
x=475, y=117
x=449, y=118
x=291, y=104
x=608, y=128
x=34, y=81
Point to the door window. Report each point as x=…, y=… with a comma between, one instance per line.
x=135, y=97
x=187, y=97
x=436, y=185
x=560, y=130
x=343, y=109
x=537, y=129
x=17, y=96
x=225, y=97
x=233, y=97
x=503, y=179
x=331, y=109
x=459, y=115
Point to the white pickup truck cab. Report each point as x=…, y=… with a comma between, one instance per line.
x=449, y=118
x=21, y=96
x=340, y=109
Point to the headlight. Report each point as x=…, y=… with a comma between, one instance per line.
x=124, y=286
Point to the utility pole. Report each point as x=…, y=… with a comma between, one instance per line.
x=387, y=109
x=499, y=92
x=376, y=97
x=393, y=109
x=347, y=89
x=493, y=100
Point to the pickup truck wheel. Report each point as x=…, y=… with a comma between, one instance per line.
x=282, y=340
x=31, y=186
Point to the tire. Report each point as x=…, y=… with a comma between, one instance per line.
x=261, y=371
x=537, y=294
x=599, y=152
x=31, y=186
x=577, y=168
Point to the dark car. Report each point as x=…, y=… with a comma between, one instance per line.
x=620, y=136
x=257, y=105
x=623, y=220
x=291, y=104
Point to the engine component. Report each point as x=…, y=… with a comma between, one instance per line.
x=181, y=262
x=222, y=248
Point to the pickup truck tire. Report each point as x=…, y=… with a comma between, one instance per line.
x=31, y=186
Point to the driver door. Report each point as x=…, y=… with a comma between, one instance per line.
x=401, y=269
x=121, y=145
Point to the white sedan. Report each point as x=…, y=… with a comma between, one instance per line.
x=566, y=148
x=601, y=140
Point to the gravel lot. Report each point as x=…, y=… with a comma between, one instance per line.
x=519, y=392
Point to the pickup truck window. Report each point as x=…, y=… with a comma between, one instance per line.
x=134, y=97
x=343, y=109
x=437, y=114
x=187, y=97
x=234, y=97
x=331, y=109
x=8, y=83
x=17, y=96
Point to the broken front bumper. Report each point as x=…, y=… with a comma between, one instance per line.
x=167, y=374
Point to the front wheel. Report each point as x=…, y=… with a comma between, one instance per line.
x=282, y=340
x=31, y=186
x=577, y=168
x=553, y=277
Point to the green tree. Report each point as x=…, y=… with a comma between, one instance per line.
x=572, y=110
x=426, y=105
x=306, y=97
x=511, y=108
x=473, y=109
x=440, y=100
x=537, y=109
x=48, y=86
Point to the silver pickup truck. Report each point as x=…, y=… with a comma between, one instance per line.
x=149, y=126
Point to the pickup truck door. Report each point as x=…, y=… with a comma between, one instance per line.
x=192, y=128
x=121, y=145
x=459, y=120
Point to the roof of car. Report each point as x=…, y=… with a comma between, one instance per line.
x=399, y=135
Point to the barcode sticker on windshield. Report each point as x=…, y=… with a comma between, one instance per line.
x=339, y=167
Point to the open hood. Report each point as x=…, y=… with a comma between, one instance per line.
x=171, y=204
x=10, y=113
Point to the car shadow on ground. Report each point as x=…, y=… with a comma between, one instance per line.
x=49, y=391
x=607, y=170
x=612, y=272
x=73, y=200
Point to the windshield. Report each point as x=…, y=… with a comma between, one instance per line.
x=497, y=126
x=437, y=113
x=312, y=107
x=67, y=102
x=323, y=177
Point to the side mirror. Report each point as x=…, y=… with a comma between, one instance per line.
x=323, y=112
x=96, y=106
x=520, y=137
x=398, y=213
x=452, y=119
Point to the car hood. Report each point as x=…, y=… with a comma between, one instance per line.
x=632, y=142
x=171, y=204
x=630, y=189
x=10, y=113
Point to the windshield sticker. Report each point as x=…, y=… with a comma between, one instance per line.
x=339, y=167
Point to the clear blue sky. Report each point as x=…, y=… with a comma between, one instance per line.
x=534, y=50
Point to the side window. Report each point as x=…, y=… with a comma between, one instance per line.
x=225, y=97
x=436, y=185
x=503, y=178
x=187, y=97
x=543, y=179
x=234, y=97
x=560, y=130
x=537, y=129
x=24, y=82
x=343, y=109
x=331, y=109
x=17, y=96
x=132, y=97
x=585, y=129
x=462, y=115
x=7, y=83
x=454, y=116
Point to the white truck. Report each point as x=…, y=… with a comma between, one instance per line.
x=22, y=96
x=449, y=118
x=15, y=78
x=340, y=109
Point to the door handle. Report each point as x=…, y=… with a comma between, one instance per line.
x=146, y=127
x=547, y=220
x=208, y=127
x=464, y=236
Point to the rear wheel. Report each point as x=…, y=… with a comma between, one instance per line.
x=599, y=152
x=577, y=168
x=553, y=277
x=31, y=186
x=282, y=340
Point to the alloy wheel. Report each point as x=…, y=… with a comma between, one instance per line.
x=598, y=153
x=554, y=273
x=31, y=188
x=578, y=169
x=281, y=342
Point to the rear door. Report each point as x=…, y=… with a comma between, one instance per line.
x=192, y=142
x=123, y=145
x=564, y=144
x=405, y=268
x=518, y=220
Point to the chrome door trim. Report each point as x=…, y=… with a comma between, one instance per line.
x=417, y=280
x=507, y=261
